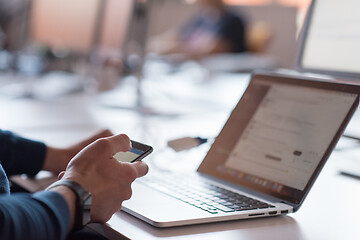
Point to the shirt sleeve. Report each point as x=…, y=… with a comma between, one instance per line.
x=20, y=155
x=43, y=215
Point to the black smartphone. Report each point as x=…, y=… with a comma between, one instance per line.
x=137, y=152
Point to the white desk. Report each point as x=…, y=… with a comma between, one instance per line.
x=331, y=210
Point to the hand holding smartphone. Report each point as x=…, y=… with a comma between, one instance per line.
x=137, y=152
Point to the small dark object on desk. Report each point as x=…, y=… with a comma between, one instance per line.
x=350, y=174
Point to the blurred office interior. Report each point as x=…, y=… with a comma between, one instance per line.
x=69, y=68
x=86, y=39
x=60, y=58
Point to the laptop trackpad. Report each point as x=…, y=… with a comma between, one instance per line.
x=156, y=207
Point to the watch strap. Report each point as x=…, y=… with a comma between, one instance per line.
x=83, y=202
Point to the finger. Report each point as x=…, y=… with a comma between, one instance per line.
x=120, y=143
x=141, y=168
x=108, y=147
x=103, y=133
x=61, y=174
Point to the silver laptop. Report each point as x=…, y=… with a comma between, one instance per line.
x=329, y=43
x=264, y=161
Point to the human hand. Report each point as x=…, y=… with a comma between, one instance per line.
x=108, y=180
x=57, y=159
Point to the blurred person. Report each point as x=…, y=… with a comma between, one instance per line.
x=215, y=29
x=60, y=210
x=13, y=14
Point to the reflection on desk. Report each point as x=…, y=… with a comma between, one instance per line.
x=246, y=229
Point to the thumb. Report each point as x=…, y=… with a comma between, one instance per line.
x=61, y=174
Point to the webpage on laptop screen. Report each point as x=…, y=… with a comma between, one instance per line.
x=289, y=134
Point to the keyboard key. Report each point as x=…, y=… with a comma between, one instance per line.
x=244, y=208
x=208, y=208
x=223, y=208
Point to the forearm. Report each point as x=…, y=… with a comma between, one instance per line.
x=44, y=215
x=20, y=155
x=70, y=199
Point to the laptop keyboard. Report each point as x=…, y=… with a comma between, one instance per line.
x=199, y=193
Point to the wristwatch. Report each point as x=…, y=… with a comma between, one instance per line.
x=83, y=202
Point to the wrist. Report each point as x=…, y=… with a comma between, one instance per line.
x=70, y=199
x=56, y=159
x=80, y=208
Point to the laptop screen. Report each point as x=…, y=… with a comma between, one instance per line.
x=330, y=42
x=278, y=134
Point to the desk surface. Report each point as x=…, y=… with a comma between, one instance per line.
x=331, y=210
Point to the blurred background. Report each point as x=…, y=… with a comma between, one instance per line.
x=143, y=67
x=157, y=70
x=95, y=43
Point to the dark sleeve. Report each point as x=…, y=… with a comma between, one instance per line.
x=43, y=215
x=233, y=29
x=20, y=155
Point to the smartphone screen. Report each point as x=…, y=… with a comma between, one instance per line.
x=137, y=152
